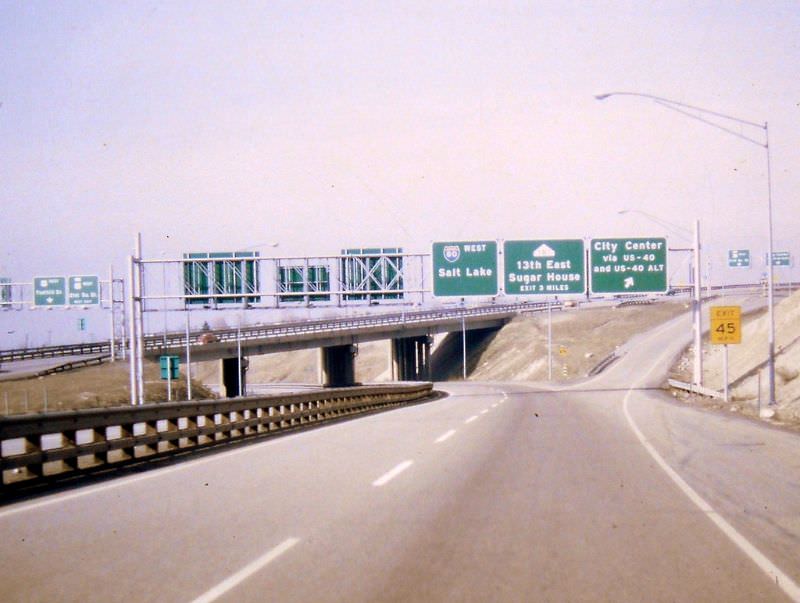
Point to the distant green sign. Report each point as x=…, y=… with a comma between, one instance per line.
x=5, y=290
x=739, y=258
x=49, y=291
x=781, y=258
x=464, y=268
x=83, y=291
x=544, y=267
x=629, y=265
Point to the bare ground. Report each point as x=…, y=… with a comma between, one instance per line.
x=747, y=365
x=99, y=386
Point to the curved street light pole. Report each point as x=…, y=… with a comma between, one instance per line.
x=685, y=109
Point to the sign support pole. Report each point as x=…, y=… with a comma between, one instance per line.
x=188, y=361
x=697, y=305
x=239, y=357
x=169, y=378
x=132, y=338
x=123, y=345
x=139, y=318
x=549, y=340
x=113, y=320
x=725, y=371
x=464, y=348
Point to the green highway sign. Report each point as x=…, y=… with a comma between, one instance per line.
x=83, y=290
x=629, y=265
x=170, y=367
x=738, y=258
x=780, y=258
x=544, y=267
x=464, y=268
x=49, y=291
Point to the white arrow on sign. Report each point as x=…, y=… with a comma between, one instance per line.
x=628, y=282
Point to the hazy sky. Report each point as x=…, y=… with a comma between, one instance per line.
x=218, y=125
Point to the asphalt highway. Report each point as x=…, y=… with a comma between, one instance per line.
x=605, y=490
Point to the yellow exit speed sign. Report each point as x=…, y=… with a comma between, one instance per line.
x=726, y=324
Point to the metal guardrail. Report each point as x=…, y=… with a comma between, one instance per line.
x=77, y=349
x=154, y=343
x=340, y=324
x=635, y=302
x=41, y=447
x=695, y=389
x=603, y=364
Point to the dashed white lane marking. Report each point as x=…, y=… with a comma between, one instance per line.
x=471, y=419
x=786, y=584
x=445, y=436
x=484, y=411
x=393, y=473
x=495, y=405
x=247, y=571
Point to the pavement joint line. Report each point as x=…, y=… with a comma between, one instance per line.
x=392, y=473
x=775, y=574
x=248, y=570
x=471, y=419
x=445, y=436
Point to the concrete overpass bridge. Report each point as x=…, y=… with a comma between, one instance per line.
x=411, y=334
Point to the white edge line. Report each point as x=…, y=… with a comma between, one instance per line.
x=391, y=474
x=471, y=419
x=445, y=436
x=784, y=582
x=247, y=571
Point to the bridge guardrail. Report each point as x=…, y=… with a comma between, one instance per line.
x=57, y=445
x=341, y=324
x=157, y=342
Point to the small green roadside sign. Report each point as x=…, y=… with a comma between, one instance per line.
x=636, y=265
x=49, y=291
x=83, y=291
x=544, y=267
x=170, y=367
x=464, y=268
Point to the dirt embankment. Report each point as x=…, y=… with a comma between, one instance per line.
x=747, y=364
x=99, y=386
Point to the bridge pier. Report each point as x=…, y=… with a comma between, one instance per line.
x=229, y=377
x=337, y=365
x=411, y=358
